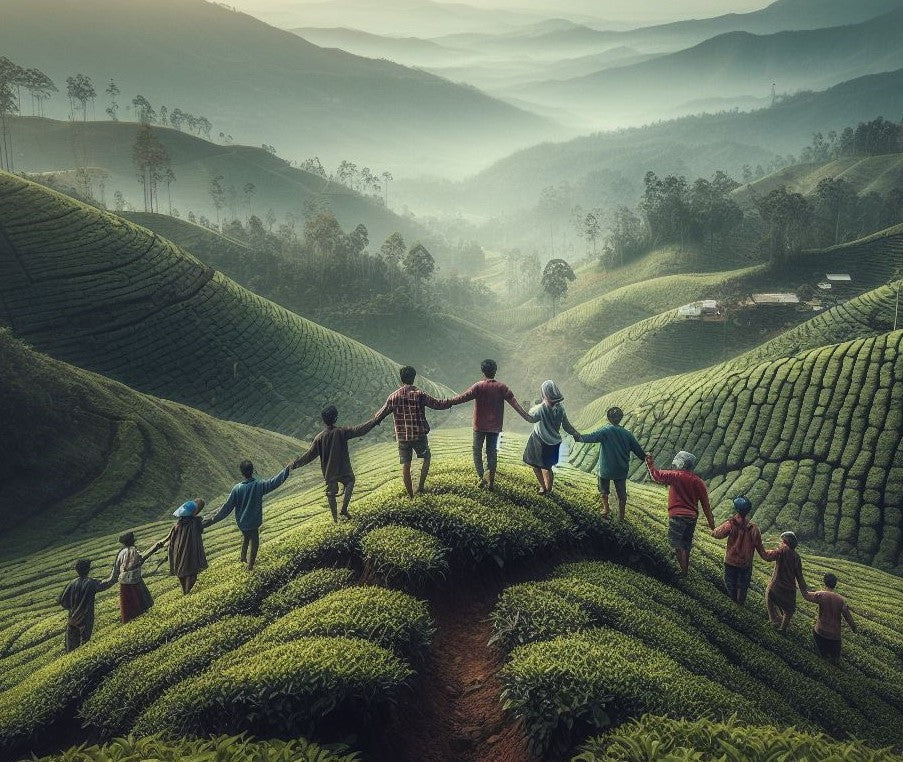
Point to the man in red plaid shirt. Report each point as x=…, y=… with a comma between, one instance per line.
x=408, y=405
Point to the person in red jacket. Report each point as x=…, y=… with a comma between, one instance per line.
x=780, y=596
x=831, y=607
x=686, y=491
x=743, y=541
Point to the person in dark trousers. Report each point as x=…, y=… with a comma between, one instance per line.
x=331, y=447
x=407, y=404
x=780, y=596
x=78, y=600
x=831, y=607
x=686, y=491
x=615, y=445
x=544, y=445
x=743, y=541
x=489, y=398
x=246, y=499
x=187, y=558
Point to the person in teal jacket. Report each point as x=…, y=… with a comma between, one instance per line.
x=615, y=445
x=246, y=499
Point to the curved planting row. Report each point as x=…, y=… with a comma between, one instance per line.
x=597, y=644
x=95, y=290
x=816, y=440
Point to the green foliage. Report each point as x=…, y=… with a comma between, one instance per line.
x=305, y=589
x=661, y=738
x=403, y=555
x=531, y=611
x=390, y=618
x=240, y=748
x=594, y=678
x=136, y=683
x=280, y=689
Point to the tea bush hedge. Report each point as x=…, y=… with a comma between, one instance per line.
x=404, y=556
x=305, y=589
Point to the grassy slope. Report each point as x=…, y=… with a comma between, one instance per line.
x=32, y=641
x=88, y=455
x=47, y=145
x=815, y=440
x=443, y=348
x=89, y=288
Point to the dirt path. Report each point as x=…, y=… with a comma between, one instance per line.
x=454, y=713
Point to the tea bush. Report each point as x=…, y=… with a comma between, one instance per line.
x=305, y=589
x=405, y=556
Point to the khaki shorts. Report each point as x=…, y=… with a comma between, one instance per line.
x=407, y=449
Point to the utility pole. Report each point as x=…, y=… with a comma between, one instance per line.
x=774, y=94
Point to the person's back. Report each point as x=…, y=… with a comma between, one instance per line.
x=78, y=600
x=831, y=608
x=615, y=445
x=742, y=540
x=787, y=568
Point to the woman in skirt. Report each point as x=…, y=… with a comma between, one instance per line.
x=134, y=597
x=543, y=446
x=186, y=544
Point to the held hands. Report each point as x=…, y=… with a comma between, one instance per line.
x=578, y=437
x=650, y=461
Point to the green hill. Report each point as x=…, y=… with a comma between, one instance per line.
x=814, y=439
x=51, y=147
x=303, y=644
x=87, y=454
x=313, y=101
x=90, y=288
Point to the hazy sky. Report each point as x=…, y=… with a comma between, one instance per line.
x=642, y=11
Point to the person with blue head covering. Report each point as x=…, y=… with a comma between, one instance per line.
x=187, y=558
x=743, y=541
x=544, y=445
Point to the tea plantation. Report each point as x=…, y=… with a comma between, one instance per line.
x=89, y=288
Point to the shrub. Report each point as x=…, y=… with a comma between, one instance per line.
x=590, y=679
x=220, y=748
x=283, y=689
x=404, y=555
x=305, y=589
x=651, y=737
x=531, y=611
x=135, y=684
x=389, y=618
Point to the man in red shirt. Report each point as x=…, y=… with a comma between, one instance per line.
x=831, y=607
x=743, y=540
x=489, y=398
x=685, y=491
x=408, y=405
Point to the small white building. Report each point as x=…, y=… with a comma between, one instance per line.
x=766, y=300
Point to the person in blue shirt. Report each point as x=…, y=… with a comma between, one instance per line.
x=615, y=445
x=246, y=499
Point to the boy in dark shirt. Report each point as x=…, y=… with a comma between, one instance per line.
x=78, y=599
x=331, y=447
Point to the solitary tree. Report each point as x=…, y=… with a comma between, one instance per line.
x=143, y=109
x=9, y=105
x=40, y=87
x=420, y=265
x=393, y=249
x=218, y=195
x=150, y=158
x=249, y=190
x=112, y=92
x=555, y=277
x=387, y=178
x=591, y=229
x=169, y=177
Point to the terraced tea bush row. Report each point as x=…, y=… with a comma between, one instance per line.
x=654, y=737
x=135, y=684
x=813, y=440
x=594, y=678
x=404, y=556
x=305, y=589
x=238, y=748
x=90, y=288
x=389, y=618
x=280, y=688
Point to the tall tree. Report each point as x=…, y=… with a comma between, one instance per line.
x=150, y=158
x=80, y=90
x=591, y=229
x=387, y=178
x=218, y=196
x=393, y=249
x=786, y=216
x=143, y=109
x=40, y=87
x=249, y=190
x=10, y=74
x=169, y=178
x=555, y=277
x=419, y=265
x=112, y=92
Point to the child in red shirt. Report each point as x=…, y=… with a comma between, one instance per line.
x=743, y=540
x=686, y=490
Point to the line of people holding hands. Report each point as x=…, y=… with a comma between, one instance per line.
x=687, y=493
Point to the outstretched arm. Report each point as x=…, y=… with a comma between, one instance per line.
x=592, y=437
x=707, y=508
x=636, y=449
x=566, y=425
x=722, y=531
x=466, y=396
x=849, y=617
x=385, y=410
x=432, y=402
x=303, y=460
x=352, y=432
x=275, y=481
x=512, y=400
x=224, y=511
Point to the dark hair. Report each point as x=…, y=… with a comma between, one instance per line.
x=330, y=414
x=489, y=368
x=831, y=580
x=127, y=539
x=614, y=414
x=82, y=567
x=408, y=374
x=247, y=469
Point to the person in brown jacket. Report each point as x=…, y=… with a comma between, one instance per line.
x=780, y=597
x=831, y=607
x=187, y=558
x=331, y=447
x=743, y=541
x=78, y=600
